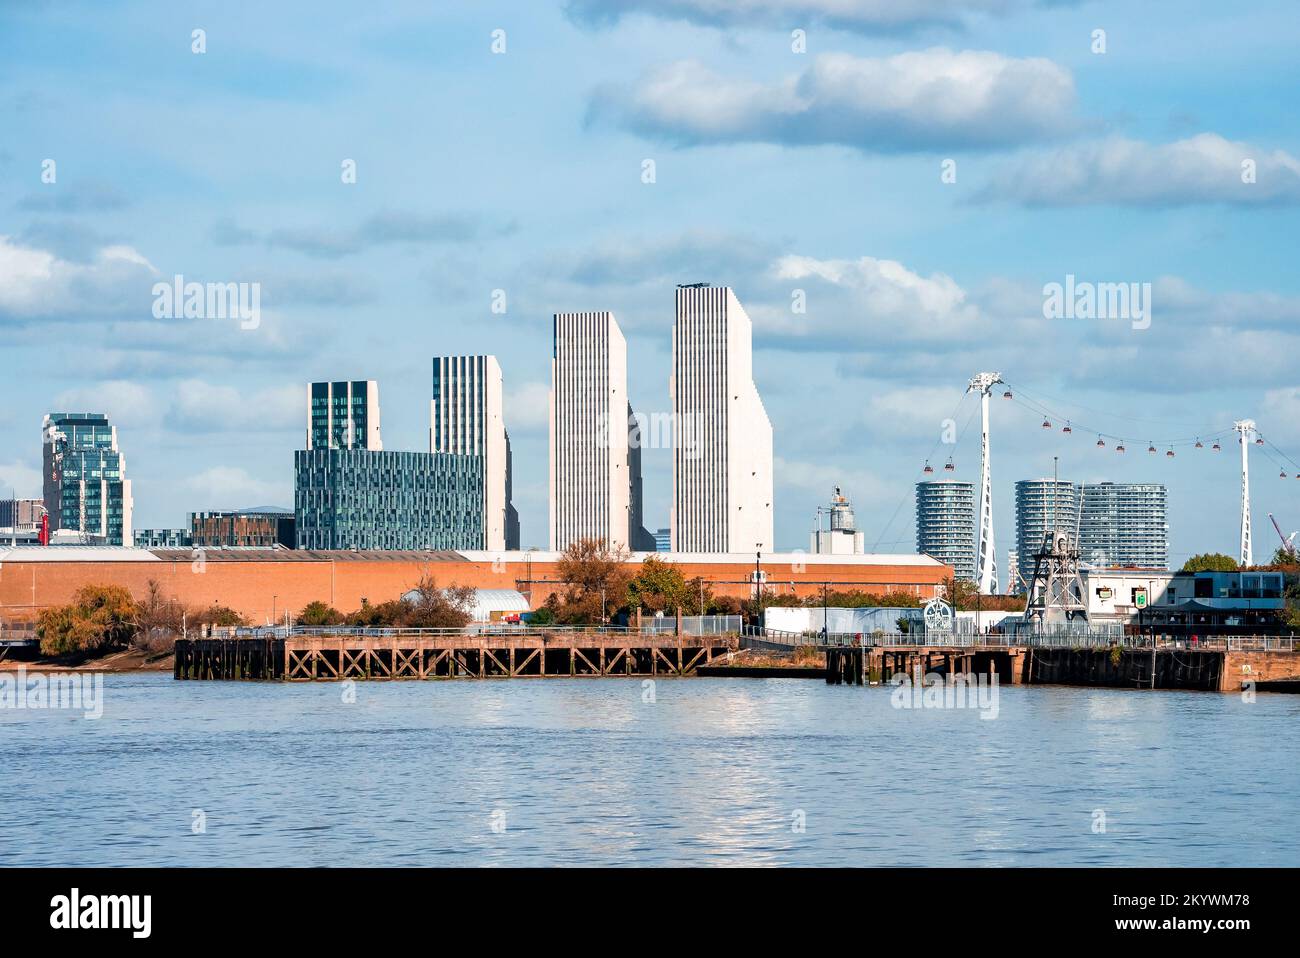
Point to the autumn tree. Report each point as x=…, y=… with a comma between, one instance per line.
x=100, y=618
x=596, y=580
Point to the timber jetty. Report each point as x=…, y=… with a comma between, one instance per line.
x=1142, y=662
x=306, y=655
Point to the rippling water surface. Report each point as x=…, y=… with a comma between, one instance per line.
x=585, y=772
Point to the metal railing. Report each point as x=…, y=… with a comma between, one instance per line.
x=1059, y=640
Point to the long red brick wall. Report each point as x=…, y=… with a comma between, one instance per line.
x=261, y=590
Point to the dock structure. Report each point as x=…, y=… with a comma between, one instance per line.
x=411, y=654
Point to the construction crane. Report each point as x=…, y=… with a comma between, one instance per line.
x=1288, y=542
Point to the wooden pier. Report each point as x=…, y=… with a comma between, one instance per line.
x=332, y=658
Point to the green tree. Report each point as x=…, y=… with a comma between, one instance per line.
x=318, y=613
x=1211, y=562
x=660, y=586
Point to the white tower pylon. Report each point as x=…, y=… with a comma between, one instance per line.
x=986, y=566
x=1245, y=432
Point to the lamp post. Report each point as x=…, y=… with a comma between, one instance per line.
x=758, y=580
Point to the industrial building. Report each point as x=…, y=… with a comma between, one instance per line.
x=262, y=584
x=841, y=535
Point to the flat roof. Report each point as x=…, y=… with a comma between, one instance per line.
x=244, y=554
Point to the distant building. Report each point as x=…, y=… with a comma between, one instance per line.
x=595, y=444
x=261, y=529
x=343, y=415
x=20, y=515
x=1124, y=524
x=86, y=492
x=722, y=456
x=663, y=540
x=1042, y=506
x=945, y=524
x=162, y=538
x=466, y=418
x=1013, y=572
x=841, y=537
x=363, y=499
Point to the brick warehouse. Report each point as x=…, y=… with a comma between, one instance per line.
x=262, y=584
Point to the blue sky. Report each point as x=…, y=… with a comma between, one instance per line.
x=774, y=171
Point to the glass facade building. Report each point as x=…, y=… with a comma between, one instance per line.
x=86, y=492
x=1042, y=506
x=343, y=415
x=367, y=499
x=1124, y=524
x=945, y=524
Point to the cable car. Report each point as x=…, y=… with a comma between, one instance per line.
x=1215, y=447
x=1119, y=448
x=1259, y=440
x=927, y=470
x=1007, y=394
x=1066, y=427
x=1046, y=424
x=1170, y=454
x=1283, y=474
x=1101, y=443
x=1151, y=449
x=948, y=466
x=1199, y=444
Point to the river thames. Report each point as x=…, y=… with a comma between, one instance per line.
x=616, y=772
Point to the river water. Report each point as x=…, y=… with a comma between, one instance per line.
x=613, y=772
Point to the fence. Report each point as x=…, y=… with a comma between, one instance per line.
x=1097, y=638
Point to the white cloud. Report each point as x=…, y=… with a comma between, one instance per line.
x=528, y=409
x=19, y=479
x=1201, y=169
x=211, y=407
x=920, y=100
x=127, y=404
x=867, y=300
x=229, y=487
x=36, y=284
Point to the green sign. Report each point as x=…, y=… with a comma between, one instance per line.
x=1140, y=598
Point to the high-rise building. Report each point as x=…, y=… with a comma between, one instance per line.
x=365, y=499
x=945, y=524
x=466, y=419
x=1124, y=524
x=722, y=456
x=1043, y=506
x=343, y=415
x=86, y=492
x=663, y=540
x=595, y=440
x=841, y=537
